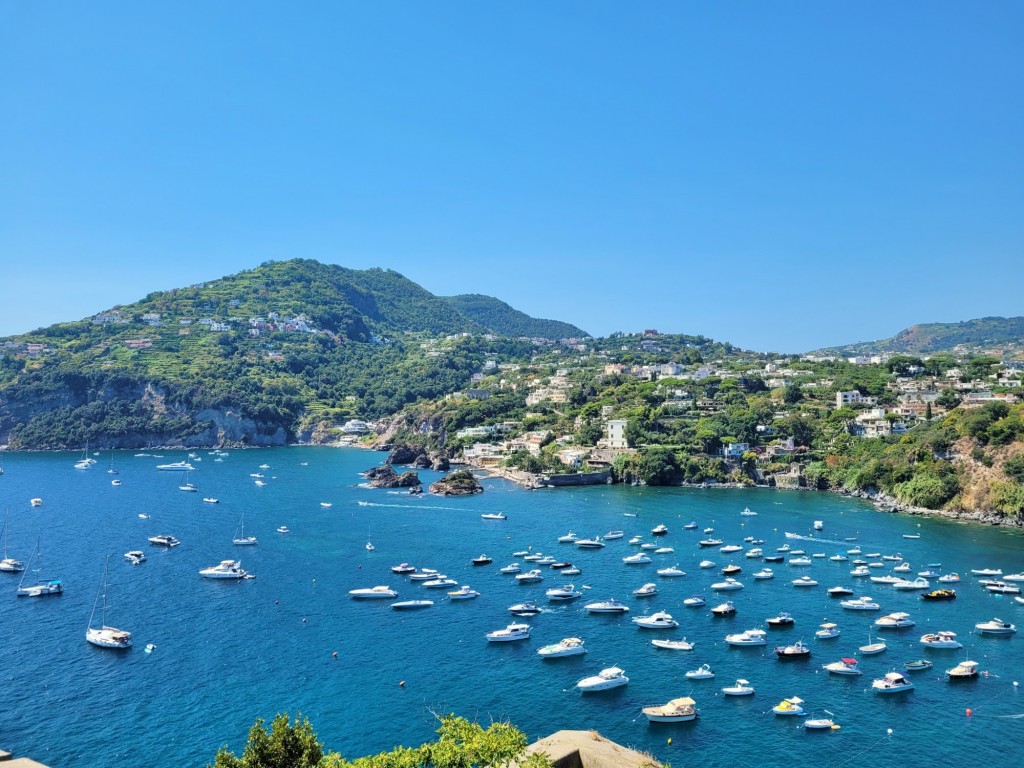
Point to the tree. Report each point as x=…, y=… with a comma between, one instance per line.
x=285, y=745
x=792, y=394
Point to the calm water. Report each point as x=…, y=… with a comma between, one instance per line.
x=230, y=652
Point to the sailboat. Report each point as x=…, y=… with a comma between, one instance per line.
x=242, y=540
x=369, y=544
x=187, y=486
x=104, y=636
x=86, y=461
x=9, y=564
x=111, y=470
x=42, y=586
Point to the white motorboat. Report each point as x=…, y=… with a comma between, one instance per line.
x=494, y=516
x=164, y=540
x=568, y=538
x=135, y=556
x=1003, y=588
x=950, y=578
x=740, y=688
x=612, y=535
x=795, y=650
x=673, y=645
x=569, y=646
x=892, y=682
x=707, y=564
x=286, y=529
x=671, y=573
x=530, y=577
x=571, y=571
x=764, y=574
x=784, y=619
x=612, y=677
x=748, y=512
x=175, y=466
x=709, y=542
x=1014, y=577
x=696, y=601
x=510, y=633
x=860, y=570
x=679, y=710
x=838, y=558
x=659, y=620
x=636, y=540
x=563, y=593
x=638, y=559
x=803, y=560
x=887, y=579
x=819, y=524
x=408, y=605
x=441, y=582
x=529, y=557
x=611, y=605
x=369, y=593
x=940, y=640
x=690, y=526
x=864, y=603
x=790, y=707
x=703, y=672
x=525, y=608
x=897, y=620
x=463, y=593
x=839, y=591
x=424, y=574
x=748, y=637
x=728, y=549
x=647, y=590
x=843, y=667
x=659, y=530
x=804, y=581
x=664, y=551
x=828, y=631
x=36, y=502
x=104, y=636
x=509, y=569
x=403, y=568
x=872, y=647
x=730, y=584
x=754, y=553
x=709, y=530
x=965, y=670
x=594, y=543
x=902, y=568
x=226, y=569
x=821, y=723
x=987, y=572
x=929, y=573
x=995, y=627
x=546, y=560
x=725, y=609
x=917, y=583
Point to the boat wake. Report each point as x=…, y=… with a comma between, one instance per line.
x=814, y=538
x=405, y=506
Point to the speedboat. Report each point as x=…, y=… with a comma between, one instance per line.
x=424, y=574
x=860, y=570
x=164, y=540
x=828, y=631
x=484, y=560
x=135, y=556
x=284, y=529
x=648, y=546
x=638, y=559
x=703, y=672
x=995, y=627
x=887, y=579
x=709, y=542
x=441, y=582
x=696, y=601
x=842, y=667
x=764, y=574
x=408, y=605
x=821, y=723
x=707, y=564
x=679, y=710
x=403, y=568
x=1002, y=588
x=509, y=633
x=647, y=590
x=572, y=570
x=728, y=585
x=659, y=530
x=928, y=573
x=525, y=608
x=673, y=645
x=819, y=524
x=892, y=682
x=671, y=572
x=730, y=569
x=902, y=568
x=838, y=558
x=494, y=516
x=510, y=569
x=530, y=577
x=564, y=592
x=790, y=706
x=740, y=688
x=774, y=559
x=987, y=572
x=691, y=526
x=371, y=593
x=1014, y=577
x=728, y=549
x=560, y=566
x=804, y=581
x=612, y=535
x=725, y=609
x=803, y=560
x=795, y=651
x=547, y=560
x=569, y=646
x=659, y=620
x=636, y=540
x=917, y=583
x=941, y=640
x=894, y=621
x=748, y=512
x=784, y=619
x=965, y=670
x=664, y=551
x=176, y=466
x=612, y=677
x=226, y=569
x=754, y=553
x=594, y=543
x=860, y=604
x=747, y=637
x=530, y=558
x=463, y=593
x=611, y=605
x=839, y=591
x=709, y=530
x=568, y=538
x=521, y=553
x=918, y=665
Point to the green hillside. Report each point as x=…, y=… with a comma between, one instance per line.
x=983, y=334
x=498, y=317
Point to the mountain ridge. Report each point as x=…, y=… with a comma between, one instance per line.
x=983, y=334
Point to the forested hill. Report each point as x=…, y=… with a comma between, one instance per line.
x=982, y=335
x=500, y=318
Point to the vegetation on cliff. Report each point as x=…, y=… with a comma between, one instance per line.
x=498, y=317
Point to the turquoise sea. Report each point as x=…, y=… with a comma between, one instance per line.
x=227, y=653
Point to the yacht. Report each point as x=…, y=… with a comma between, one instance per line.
x=839, y=591
x=9, y=564
x=1002, y=588
x=784, y=619
x=510, y=569
x=995, y=627
x=917, y=583
x=104, y=636
x=764, y=574
x=638, y=559
x=408, y=605
x=485, y=560
x=796, y=650
x=728, y=549
x=707, y=564
x=509, y=633
x=828, y=631
x=690, y=526
x=546, y=560
x=649, y=546
x=612, y=677
x=403, y=568
x=671, y=572
x=949, y=578
x=135, y=556
x=804, y=581
x=860, y=604
x=369, y=593
x=226, y=569
x=965, y=670
x=843, y=667
x=673, y=645
x=568, y=538
x=525, y=608
x=463, y=593
x=894, y=621
x=941, y=640
x=164, y=540
x=679, y=710
x=839, y=558
x=647, y=590
x=494, y=516
x=754, y=553
x=664, y=551
x=887, y=579
x=659, y=530
x=800, y=561
x=728, y=585
x=659, y=620
x=176, y=466
x=747, y=637
x=611, y=605
x=594, y=543
x=570, y=646
x=424, y=574
x=740, y=688
x=563, y=593
x=703, y=672
x=709, y=542
x=1014, y=577
x=571, y=571
x=860, y=570
x=725, y=609
x=987, y=572
x=892, y=682
x=636, y=540
x=696, y=601
x=441, y=582
x=612, y=535
x=530, y=577
x=790, y=707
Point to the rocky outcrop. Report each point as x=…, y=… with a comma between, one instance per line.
x=458, y=483
x=439, y=462
x=405, y=454
x=386, y=477
x=422, y=462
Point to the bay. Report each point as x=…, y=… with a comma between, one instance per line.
x=227, y=653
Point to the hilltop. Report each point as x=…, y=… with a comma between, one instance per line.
x=985, y=335
x=498, y=317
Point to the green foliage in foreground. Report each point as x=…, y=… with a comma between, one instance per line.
x=460, y=744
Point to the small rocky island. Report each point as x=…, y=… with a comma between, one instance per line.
x=461, y=482
x=386, y=477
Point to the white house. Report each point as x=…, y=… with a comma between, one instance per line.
x=615, y=433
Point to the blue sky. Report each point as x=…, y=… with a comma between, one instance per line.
x=780, y=175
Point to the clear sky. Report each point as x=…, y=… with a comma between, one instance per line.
x=782, y=175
